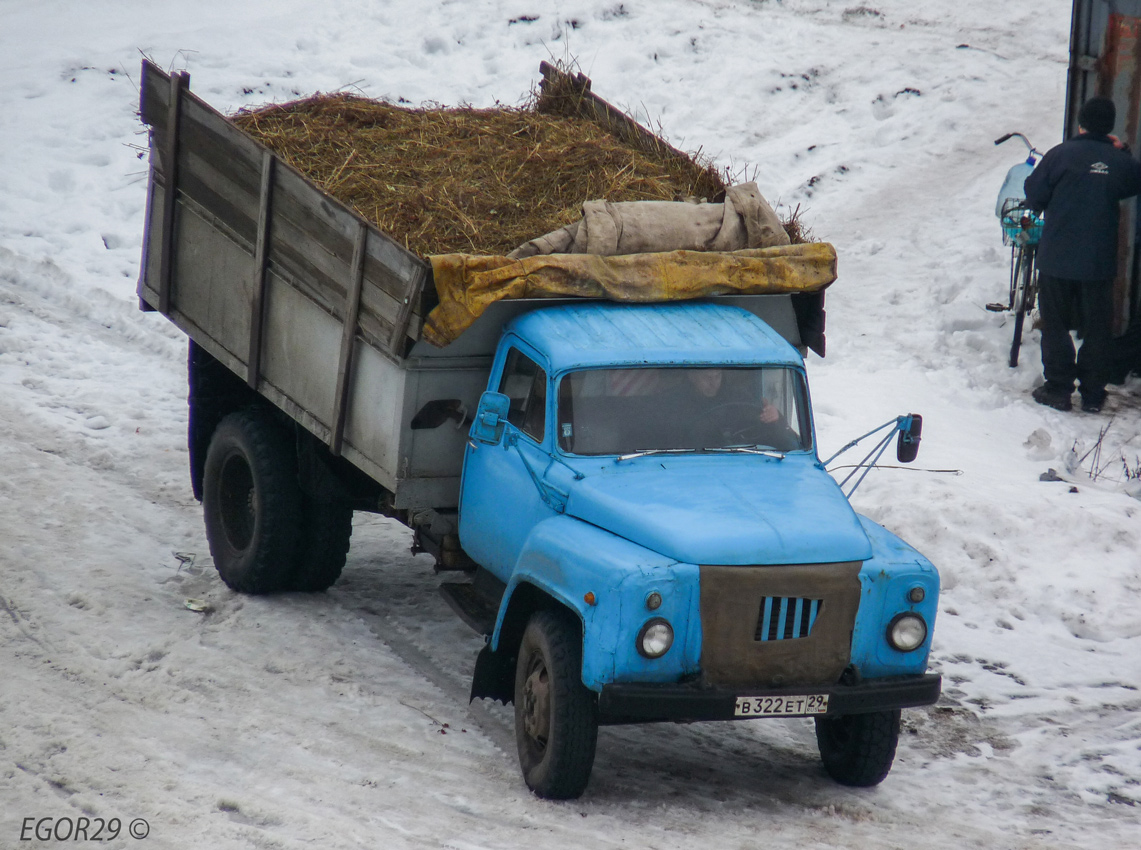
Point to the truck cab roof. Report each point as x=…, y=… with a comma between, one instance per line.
x=609, y=334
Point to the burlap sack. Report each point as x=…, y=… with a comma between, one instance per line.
x=745, y=220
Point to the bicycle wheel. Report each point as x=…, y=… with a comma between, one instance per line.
x=1030, y=298
x=1015, y=256
x=1022, y=296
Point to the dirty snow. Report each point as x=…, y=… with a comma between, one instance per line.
x=340, y=720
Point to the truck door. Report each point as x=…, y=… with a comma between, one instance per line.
x=500, y=496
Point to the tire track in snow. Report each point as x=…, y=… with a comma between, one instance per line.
x=383, y=625
x=21, y=625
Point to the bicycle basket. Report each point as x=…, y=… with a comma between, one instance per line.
x=1020, y=224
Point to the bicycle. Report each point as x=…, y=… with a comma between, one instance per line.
x=1021, y=230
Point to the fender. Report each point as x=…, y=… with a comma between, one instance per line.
x=886, y=580
x=574, y=562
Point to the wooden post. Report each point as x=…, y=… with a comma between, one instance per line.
x=612, y=119
x=404, y=317
x=179, y=83
x=261, y=262
x=348, y=339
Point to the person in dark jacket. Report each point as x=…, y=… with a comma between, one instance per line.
x=1080, y=184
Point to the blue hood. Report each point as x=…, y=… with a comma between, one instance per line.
x=722, y=509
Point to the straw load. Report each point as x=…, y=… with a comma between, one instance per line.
x=463, y=180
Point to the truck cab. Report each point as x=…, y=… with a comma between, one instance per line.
x=659, y=540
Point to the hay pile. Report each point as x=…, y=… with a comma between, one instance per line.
x=467, y=180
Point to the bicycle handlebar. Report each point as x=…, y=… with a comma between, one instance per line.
x=1033, y=150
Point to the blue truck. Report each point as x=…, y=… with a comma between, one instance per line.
x=628, y=499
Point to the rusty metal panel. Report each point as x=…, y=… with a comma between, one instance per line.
x=1105, y=61
x=1087, y=32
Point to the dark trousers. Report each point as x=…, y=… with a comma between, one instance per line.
x=1085, y=306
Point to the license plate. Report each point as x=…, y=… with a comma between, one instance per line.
x=797, y=705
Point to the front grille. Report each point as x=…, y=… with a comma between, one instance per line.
x=778, y=625
x=785, y=618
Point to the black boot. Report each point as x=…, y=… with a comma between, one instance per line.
x=1053, y=397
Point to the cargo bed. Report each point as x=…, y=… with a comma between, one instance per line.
x=316, y=309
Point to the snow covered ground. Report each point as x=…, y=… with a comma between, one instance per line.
x=339, y=720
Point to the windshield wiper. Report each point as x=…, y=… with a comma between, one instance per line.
x=644, y=452
x=749, y=450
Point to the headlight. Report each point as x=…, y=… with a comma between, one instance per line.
x=655, y=638
x=907, y=632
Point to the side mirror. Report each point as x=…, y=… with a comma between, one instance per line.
x=438, y=411
x=910, y=431
x=490, y=418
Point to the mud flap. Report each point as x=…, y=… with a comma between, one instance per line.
x=494, y=676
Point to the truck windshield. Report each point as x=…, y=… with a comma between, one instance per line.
x=623, y=411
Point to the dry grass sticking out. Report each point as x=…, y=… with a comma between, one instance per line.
x=466, y=180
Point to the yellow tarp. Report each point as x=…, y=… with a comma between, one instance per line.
x=466, y=284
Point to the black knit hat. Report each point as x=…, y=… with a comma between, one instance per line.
x=1098, y=115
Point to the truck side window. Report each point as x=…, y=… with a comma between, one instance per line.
x=525, y=383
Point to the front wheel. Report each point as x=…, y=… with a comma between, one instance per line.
x=858, y=749
x=1019, y=321
x=556, y=716
x=1022, y=297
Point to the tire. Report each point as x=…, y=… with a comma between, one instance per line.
x=1015, y=260
x=1021, y=298
x=1019, y=320
x=326, y=528
x=251, y=502
x=858, y=749
x=556, y=716
x=1030, y=289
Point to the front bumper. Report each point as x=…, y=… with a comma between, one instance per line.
x=647, y=703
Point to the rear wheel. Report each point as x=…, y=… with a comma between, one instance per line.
x=251, y=502
x=326, y=528
x=556, y=716
x=858, y=749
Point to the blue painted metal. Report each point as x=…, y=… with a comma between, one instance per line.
x=567, y=559
x=721, y=508
x=582, y=336
x=886, y=579
x=490, y=418
x=499, y=500
x=621, y=530
x=804, y=613
x=767, y=625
